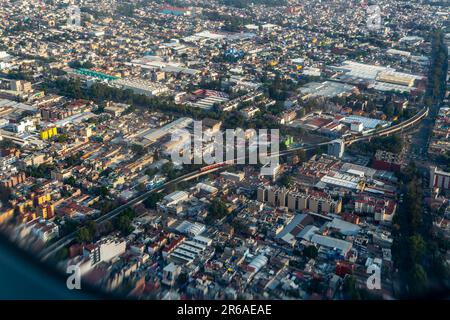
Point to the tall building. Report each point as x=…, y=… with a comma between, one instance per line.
x=336, y=148
x=105, y=250
x=170, y=274
x=316, y=202
x=20, y=86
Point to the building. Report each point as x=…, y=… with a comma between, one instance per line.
x=20, y=86
x=315, y=202
x=5, y=215
x=356, y=126
x=150, y=136
x=12, y=180
x=211, y=126
x=397, y=78
x=236, y=177
x=187, y=252
x=170, y=274
x=191, y=229
x=22, y=126
x=206, y=189
x=336, y=148
x=104, y=250
x=176, y=11
x=383, y=210
x=115, y=109
x=207, y=99
x=327, y=89
x=173, y=203
x=342, y=246
x=141, y=86
x=367, y=123
x=287, y=117
x=294, y=228
x=41, y=229
x=389, y=161
x=439, y=178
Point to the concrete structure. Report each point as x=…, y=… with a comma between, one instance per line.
x=170, y=274
x=387, y=161
x=104, y=250
x=299, y=201
x=236, y=177
x=140, y=86
x=336, y=148
x=439, y=178
x=149, y=136
x=356, y=126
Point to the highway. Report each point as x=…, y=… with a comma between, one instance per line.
x=66, y=240
x=391, y=130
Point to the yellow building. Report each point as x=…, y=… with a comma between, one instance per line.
x=23, y=205
x=41, y=199
x=5, y=216
x=29, y=216
x=48, y=133
x=46, y=211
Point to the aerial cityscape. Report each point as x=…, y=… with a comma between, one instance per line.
x=227, y=149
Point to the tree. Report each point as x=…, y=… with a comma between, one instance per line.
x=83, y=235
x=169, y=170
x=151, y=172
x=389, y=109
x=350, y=289
x=316, y=285
x=102, y=191
x=310, y=252
x=182, y=279
x=62, y=254
x=438, y=71
x=72, y=182
x=123, y=223
x=107, y=227
x=91, y=225
x=62, y=138
x=141, y=187
x=419, y=280
x=138, y=149
x=286, y=180
x=152, y=200
x=417, y=247
x=392, y=144
x=68, y=226
x=125, y=9
x=217, y=210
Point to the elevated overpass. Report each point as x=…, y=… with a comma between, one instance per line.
x=391, y=130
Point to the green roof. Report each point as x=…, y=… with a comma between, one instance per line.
x=95, y=74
